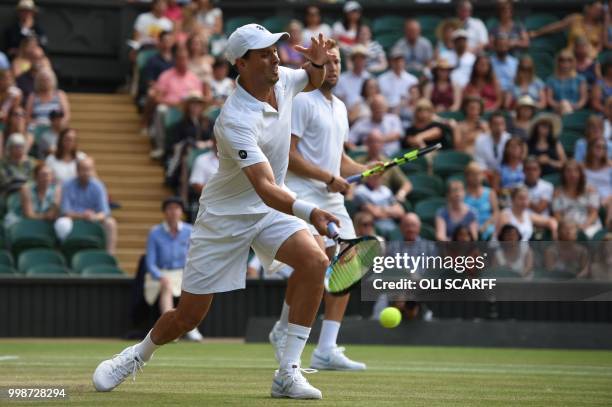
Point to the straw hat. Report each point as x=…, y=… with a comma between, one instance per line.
x=526, y=100
x=442, y=63
x=550, y=117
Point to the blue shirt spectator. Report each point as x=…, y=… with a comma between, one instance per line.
x=511, y=177
x=505, y=70
x=165, y=251
x=78, y=197
x=566, y=89
x=4, y=62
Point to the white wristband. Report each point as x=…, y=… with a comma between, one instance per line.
x=303, y=209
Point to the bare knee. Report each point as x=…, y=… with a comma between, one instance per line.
x=313, y=266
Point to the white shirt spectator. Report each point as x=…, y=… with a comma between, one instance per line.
x=542, y=190
x=395, y=88
x=204, y=167
x=149, y=27
x=64, y=170
x=390, y=123
x=307, y=33
x=349, y=86
x=381, y=196
x=208, y=18
x=222, y=89
x=460, y=76
x=608, y=129
x=488, y=154
x=478, y=36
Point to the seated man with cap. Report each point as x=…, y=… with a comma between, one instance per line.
x=167, y=247
x=460, y=58
x=395, y=84
x=350, y=82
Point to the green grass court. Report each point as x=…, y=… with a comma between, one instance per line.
x=239, y=374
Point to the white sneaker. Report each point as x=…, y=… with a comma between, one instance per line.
x=112, y=372
x=194, y=335
x=278, y=339
x=157, y=154
x=289, y=382
x=334, y=359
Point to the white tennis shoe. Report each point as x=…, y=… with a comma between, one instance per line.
x=289, y=382
x=278, y=340
x=112, y=372
x=334, y=359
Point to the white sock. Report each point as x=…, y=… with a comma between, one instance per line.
x=284, y=317
x=297, y=336
x=329, y=335
x=146, y=348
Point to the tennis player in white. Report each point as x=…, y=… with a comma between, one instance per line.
x=317, y=162
x=247, y=205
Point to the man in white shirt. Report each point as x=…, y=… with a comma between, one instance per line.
x=204, y=167
x=462, y=59
x=246, y=204
x=489, y=148
x=149, y=25
x=317, y=164
x=396, y=82
x=220, y=84
x=540, y=190
x=478, y=36
x=389, y=125
x=350, y=82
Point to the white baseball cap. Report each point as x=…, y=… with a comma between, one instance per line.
x=250, y=36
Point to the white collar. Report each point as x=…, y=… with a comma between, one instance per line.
x=254, y=103
x=167, y=227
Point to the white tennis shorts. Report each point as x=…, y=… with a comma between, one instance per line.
x=219, y=248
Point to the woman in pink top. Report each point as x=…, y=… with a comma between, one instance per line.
x=483, y=83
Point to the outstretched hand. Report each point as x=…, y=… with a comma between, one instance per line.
x=318, y=52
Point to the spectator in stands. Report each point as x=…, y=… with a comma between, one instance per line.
x=346, y=30
x=462, y=59
x=204, y=167
x=5, y=64
x=148, y=26
x=41, y=199
x=512, y=255
x=393, y=178
x=526, y=84
x=10, y=96
x=396, y=82
x=490, y=146
x=46, y=98
x=200, y=61
x=209, y=17
x=364, y=224
x=416, y=49
x=594, y=129
x=586, y=65
x=25, y=54
x=483, y=200
x=523, y=116
x=376, y=199
x=167, y=247
x=455, y=213
x=607, y=37
x=478, y=37
x=424, y=130
x=598, y=171
x=504, y=65
x=25, y=26
x=602, y=262
x=377, y=60
x=444, y=34
x=483, y=83
x=566, y=91
x=158, y=63
x=288, y=55
x=171, y=88
x=410, y=226
x=540, y=191
x=510, y=172
x=471, y=126
x=519, y=216
x=444, y=95
x=608, y=119
x=569, y=257
x=576, y=201
x=16, y=167
x=313, y=26
x=544, y=144
x=349, y=84
x=221, y=85
x=361, y=108
x=602, y=90
x=85, y=197
x=25, y=81
x=65, y=159
x=174, y=12
x=388, y=124
x=589, y=24
x=47, y=142
x=17, y=123
x=518, y=38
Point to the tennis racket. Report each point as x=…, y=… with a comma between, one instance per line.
x=409, y=156
x=353, y=259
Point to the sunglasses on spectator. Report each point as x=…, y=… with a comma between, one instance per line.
x=566, y=59
x=367, y=224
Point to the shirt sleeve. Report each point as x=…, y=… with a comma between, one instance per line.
x=151, y=256
x=103, y=200
x=300, y=115
x=297, y=79
x=241, y=143
x=65, y=205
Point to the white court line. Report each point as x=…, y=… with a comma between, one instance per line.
x=8, y=357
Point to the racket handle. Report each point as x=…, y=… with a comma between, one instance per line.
x=354, y=178
x=332, y=230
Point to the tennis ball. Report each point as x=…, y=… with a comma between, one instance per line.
x=390, y=317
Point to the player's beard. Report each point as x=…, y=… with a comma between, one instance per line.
x=328, y=85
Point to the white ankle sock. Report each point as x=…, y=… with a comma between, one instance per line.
x=328, y=335
x=284, y=317
x=146, y=348
x=297, y=336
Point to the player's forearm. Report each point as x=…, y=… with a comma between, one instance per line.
x=349, y=167
x=300, y=166
x=315, y=76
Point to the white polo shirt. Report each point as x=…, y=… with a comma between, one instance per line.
x=395, y=88
x=322, y=126
x=488, y=154
x=204, y=167
x=249, y=131
x=349, y=86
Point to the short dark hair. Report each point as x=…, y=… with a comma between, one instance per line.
x=172, y=200
x=220, y=63
x=497, y=113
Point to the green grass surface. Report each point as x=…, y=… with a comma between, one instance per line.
x=238, y=374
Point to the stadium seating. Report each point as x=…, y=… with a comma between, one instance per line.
x=39, y=257
x=576, y=121
x=231, y=24
x=554, y=178
x=102, y=270
x=568, y=141
x=428, y=232
x=50, y=270
x=30, y=233
x=425, y=186
x=388, y=39
x=84, y=235
x=426, y=209
x=449, y=162
x=388, y=24
x=7, y=270
x=276, y=23
x=6, y=259
x=91, y=257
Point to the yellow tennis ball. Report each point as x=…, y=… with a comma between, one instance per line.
x=390, y=317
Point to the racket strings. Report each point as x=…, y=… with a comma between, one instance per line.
x=354, y=264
